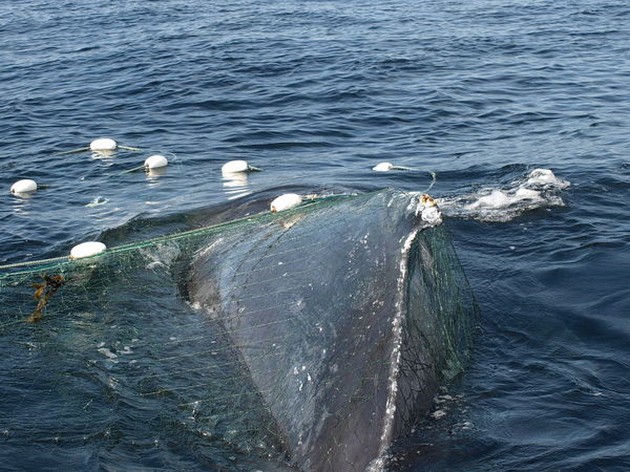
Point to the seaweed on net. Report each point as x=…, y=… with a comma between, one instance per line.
x=43, y=292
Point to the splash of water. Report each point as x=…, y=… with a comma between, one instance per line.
x=539, y=189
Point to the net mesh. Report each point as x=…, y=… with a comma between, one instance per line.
x=256, y=343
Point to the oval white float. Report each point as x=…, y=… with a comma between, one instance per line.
x=156, y=161
x=24, y=186
x=383, y=167
x=103, y=144
x=285, y=202
x=87, y=249
x=235, y=166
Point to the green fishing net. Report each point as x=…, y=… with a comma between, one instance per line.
x=312, y=337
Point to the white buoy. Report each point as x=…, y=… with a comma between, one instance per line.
x=235, y=166
x=103, y=144
x=87, y=249
x=383, y=167
x=285, y=202
x=156, y=161
x=24, y=186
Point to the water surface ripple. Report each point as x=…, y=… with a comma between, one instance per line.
x=317, y=93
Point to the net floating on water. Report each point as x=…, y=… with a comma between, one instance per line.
x=314, y=337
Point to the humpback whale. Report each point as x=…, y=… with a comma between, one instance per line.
x=346, y=314
x=311, y=338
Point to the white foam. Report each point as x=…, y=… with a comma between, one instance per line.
x=538, y=189
x=432, y=215
x=107, y=353
x=545, y=178
x=378, y=464
x=97, y=201
x=525, y=193
x=496, y=199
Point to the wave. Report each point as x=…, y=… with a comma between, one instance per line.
x=538, y=189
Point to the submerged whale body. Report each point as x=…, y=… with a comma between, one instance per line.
x=347, y=314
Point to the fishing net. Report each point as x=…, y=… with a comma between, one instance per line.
x=312, y=337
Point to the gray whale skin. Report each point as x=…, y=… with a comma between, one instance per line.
x=347, y=314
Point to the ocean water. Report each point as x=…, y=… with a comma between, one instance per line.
x=470, y=97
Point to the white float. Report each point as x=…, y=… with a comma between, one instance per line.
x=156, y=161
x=24, y=186
x=545, y=178
x=387, y=166
x=285, y=202
x=237, y=166
x=87, y=249
x=527, y=194
x=103, y=144
x=383, y=167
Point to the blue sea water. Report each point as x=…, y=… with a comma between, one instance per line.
x=316, y=93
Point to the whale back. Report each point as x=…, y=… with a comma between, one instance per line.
x=347, y=315
x=311, y=338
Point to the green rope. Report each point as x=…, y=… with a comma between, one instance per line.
x=73, y=151
x=135, y=169
x=87, y=148
x=41, y=262
x=58, y=263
